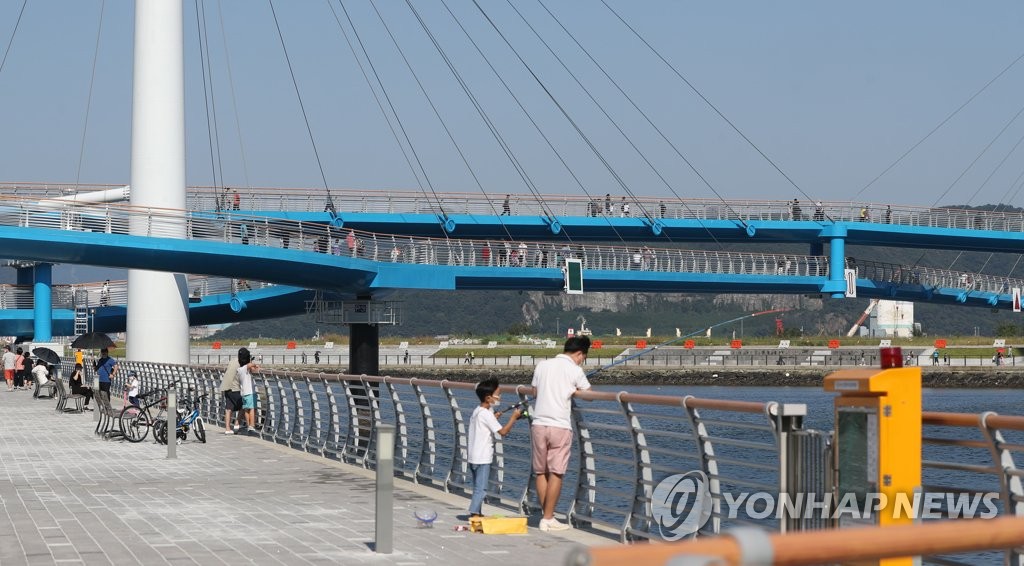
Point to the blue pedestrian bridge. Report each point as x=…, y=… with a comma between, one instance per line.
x=332, y=255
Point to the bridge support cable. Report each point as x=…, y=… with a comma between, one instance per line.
x=710, y=105
x=14, y=33
x=234, y=99
x=549, y=216
x=650, y=122
x=210, y=105
x=655, y=224
x=971, y=165
x=533, y=122
x=437, y=114
x=558, y=105
x=940, y=124
x=88, y=98
x=447, y=225
x=305, y=117
x=416, y=173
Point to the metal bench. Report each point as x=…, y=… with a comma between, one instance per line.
x=109, y=424
x=50, y=386
x=63, y=397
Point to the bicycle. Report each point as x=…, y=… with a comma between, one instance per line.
x=188, y=418
x=135, y=421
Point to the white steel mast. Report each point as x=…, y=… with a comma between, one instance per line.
x=157, y=301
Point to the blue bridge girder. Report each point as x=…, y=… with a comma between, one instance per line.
x=282, y=248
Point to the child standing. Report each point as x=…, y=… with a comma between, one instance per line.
x=482, y=426
x=133, y=388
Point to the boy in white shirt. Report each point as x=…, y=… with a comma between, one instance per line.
x=133, y=388
x=482, y=426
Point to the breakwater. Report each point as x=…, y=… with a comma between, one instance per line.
x=941, y=377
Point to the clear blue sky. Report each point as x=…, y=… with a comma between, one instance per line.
x=833, y=92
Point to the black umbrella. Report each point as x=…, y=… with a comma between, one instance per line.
x=93, y=341
x=47, y=355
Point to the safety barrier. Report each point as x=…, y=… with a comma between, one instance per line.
x=986, y=447
x=666, y=357
x=625, y=445
x=404, y=201
x=116, y=292
x=847, y=546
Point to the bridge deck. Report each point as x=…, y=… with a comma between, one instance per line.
x=70, y=498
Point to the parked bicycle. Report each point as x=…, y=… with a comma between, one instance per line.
x=136, y=421
x=189, y=418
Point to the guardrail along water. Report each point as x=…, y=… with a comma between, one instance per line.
x=625, y=444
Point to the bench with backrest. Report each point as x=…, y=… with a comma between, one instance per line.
x=63, y=397
x=47, y=390
x=109, y=424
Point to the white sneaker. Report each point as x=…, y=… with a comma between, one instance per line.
x=552, y=524
x=229, y=432
x=236, y=427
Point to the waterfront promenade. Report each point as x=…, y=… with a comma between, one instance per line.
x=70, y=498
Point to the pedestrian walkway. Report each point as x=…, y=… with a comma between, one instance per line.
x=69, y=498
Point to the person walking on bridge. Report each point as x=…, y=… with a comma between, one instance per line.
x=556, y=381
x=506, y=207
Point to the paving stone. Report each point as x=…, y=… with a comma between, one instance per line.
x=76, y=499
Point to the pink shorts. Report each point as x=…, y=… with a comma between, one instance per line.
x=550, y=449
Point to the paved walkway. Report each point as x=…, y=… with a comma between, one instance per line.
x=69, y=498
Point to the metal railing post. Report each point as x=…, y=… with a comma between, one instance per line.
x=172, y=424
x=707, y=460
x=640, y=512
x=384, y=521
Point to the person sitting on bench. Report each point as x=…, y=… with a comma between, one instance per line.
x=41, y=375
x=78, y=386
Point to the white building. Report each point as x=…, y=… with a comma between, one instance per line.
x=893, y=318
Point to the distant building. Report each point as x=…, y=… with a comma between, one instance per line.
x=893, y=318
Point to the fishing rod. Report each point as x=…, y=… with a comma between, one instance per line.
x=690, y=335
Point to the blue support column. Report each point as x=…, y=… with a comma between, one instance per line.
x=837, y=263
x=42, y=305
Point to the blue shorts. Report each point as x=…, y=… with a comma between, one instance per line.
x=249, y=401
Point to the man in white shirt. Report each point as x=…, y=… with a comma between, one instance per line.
x=556, y=381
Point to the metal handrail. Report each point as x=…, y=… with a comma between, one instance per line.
x=63, y=296
x=977, y=438
x=433, y=441
x=235, y=227
x=626, y=442
x=861, y=545
x=406, y=201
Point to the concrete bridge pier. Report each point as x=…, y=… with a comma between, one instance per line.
x=364, y=349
